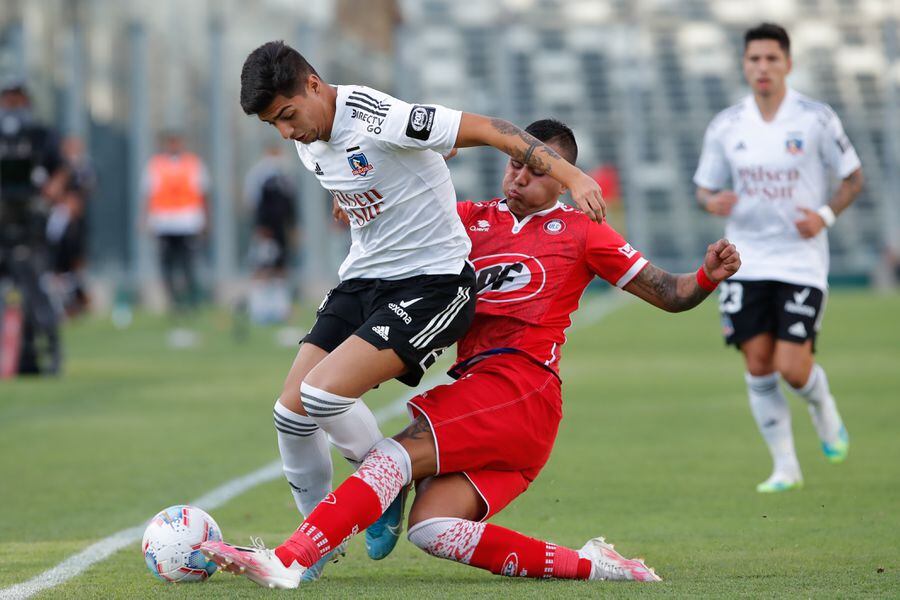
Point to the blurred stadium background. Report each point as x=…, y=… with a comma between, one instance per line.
x=657, y=449
x=637, y=80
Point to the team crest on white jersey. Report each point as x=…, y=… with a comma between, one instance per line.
x=508, y=277
x=359, y=164
x=794, y=143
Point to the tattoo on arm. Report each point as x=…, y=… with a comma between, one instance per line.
x=417, y=430
x=532, y=157
x=673, y=293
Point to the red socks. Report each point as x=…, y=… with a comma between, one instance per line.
x=505, y=552
x=345, y=512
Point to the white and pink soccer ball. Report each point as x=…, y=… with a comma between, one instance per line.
x=171, y=544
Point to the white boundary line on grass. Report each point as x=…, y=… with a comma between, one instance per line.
x=76, y=564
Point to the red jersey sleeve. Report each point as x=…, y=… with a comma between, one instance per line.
x=464, y=209
x=609, y=256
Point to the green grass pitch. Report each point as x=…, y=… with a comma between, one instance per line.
x=657, y=451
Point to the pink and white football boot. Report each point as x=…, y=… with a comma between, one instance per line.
x=607, y=564
x=257, y=563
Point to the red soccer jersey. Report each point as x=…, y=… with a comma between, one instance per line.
x=532, y=273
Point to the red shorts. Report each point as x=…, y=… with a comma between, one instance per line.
x=496, y=424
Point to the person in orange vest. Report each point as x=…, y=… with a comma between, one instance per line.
x=175, y=185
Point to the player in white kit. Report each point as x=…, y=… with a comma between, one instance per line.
x=777, y=148
x=407, y=290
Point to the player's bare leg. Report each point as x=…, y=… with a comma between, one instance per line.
x=445, y=522
x=330, y=394
x=798, y=368
x=771, y=412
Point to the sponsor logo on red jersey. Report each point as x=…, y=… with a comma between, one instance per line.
x=508, y=277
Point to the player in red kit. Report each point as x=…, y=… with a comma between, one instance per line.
x=476, y=444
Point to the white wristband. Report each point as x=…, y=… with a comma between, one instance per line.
x=827, y=215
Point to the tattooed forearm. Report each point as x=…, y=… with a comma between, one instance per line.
x=417, y=430
x=673, y=293
x=532, y=155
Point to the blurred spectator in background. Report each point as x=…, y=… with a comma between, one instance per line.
x=175, y=185
x=66, y=232
x=271, y=196
x=29, y=161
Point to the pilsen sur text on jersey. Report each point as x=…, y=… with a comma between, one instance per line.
x=770, y=184
x=362, y=207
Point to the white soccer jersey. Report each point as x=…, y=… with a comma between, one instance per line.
x=775, y=168
x=384, y=167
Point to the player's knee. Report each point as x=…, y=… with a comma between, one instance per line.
x=425, y=533
x=794, y=375
x=290, y=399
x=759, y=364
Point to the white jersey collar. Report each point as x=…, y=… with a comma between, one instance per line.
x=517, y=224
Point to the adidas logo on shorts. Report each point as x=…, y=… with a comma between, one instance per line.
x=797, y=329
x=382, y=331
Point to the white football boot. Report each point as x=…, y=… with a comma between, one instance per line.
x=259, y=564
x=781, y=481
x=607, y=564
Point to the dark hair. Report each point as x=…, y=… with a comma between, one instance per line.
x=557, y=132
x=769, y=31
x=272, y=69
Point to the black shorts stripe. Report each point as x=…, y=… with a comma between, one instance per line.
x=445, y=322
x=441, y=320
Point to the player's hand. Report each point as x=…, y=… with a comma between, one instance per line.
x=811, y=223
x=721, y=203
x=588, y=197
x=722, y=261
x=451, y=154
x=338, y=214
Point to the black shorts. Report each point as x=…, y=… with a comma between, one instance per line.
x=790, y=312
x=418, y=317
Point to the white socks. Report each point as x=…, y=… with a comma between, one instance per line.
x=773, y=417
x=305, y=457
x=348, y=421
x=821, y=405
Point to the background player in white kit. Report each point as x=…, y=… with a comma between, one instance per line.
x=406, y=290
x=777, y=147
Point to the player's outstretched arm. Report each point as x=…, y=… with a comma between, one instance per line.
x=477, y=130
x=675, y=293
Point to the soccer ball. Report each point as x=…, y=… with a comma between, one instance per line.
x=171, y=544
